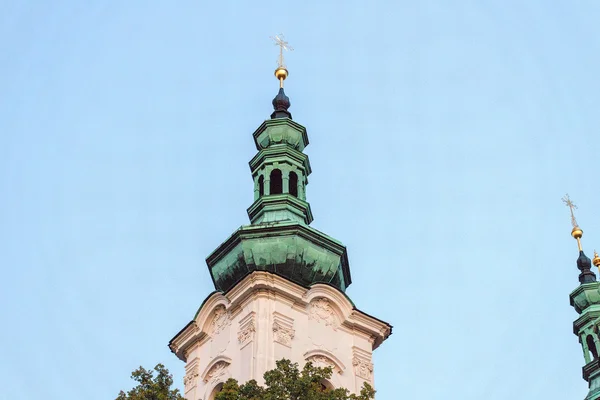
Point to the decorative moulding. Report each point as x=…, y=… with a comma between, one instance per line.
x=361, y=361
x=322, y=362
x=181, y=343
x=289, y=155
x=283, y=329
x=299, y=296
x=247, y=329
x=324, y=358
x=204, y=312
x=220, y=320
x=216, y=370
x=280, y=130
x=192, y=345
x=190, y=380
x=283, y=201
x=591, y=314
x=321, y=311
x=351, y=318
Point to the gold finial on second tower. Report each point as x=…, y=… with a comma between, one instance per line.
x=577, y=233
x=281, y=72
x=596, y=260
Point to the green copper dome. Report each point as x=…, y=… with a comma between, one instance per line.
x=291, y=250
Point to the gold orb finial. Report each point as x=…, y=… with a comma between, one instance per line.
x=281, y=73
x=596, y=259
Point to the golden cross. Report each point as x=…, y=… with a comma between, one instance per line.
x=571, y=206
x=283, y=45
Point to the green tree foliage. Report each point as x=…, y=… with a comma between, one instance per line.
x=287, y=382
x=150, y=387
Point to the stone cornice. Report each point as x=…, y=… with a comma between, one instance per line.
x=352, y=318
x=185, y=339
x=280, y=123
x=252, y=231
x=268, y=284
x=584, y=296
x=196, y=330
x=279, y=202
x=280, y=153
x=360, y=320
x=592, y=313
x=591, y=368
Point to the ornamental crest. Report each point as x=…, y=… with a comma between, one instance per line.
x=362, y=368
x=321, y=310
x=189, y=381
x=321, y=361
x=216, y=372
x=220, y=320
x=246, y=334
x=283, y=335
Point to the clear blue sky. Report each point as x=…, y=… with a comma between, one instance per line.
x=443, y=135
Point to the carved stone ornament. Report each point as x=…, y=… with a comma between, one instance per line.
x=189, y=381
x=216, y=372
x=321, y=361
x=321, y=310
x=283, y=334
x=220, y=320
x=246, y=333
x=362, y=368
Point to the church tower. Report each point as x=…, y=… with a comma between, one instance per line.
x=279, y=283
x=585, y=299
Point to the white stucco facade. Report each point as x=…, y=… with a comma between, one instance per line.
x=265, y=318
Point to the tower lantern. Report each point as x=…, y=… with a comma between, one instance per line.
x=279, y=283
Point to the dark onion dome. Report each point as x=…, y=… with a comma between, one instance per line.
x=585, y=266
x=281, y=103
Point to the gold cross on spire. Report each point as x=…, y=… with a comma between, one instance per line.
x=283, y=45
x=567, y=200
x=577, y=233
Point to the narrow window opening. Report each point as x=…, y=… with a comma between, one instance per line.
x=215, y=391
x=261, y=185
x=276, y=182
x=592, y=346
x=326, y=385
x=293, y=184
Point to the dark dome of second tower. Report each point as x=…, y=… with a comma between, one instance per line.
x=281, y=103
